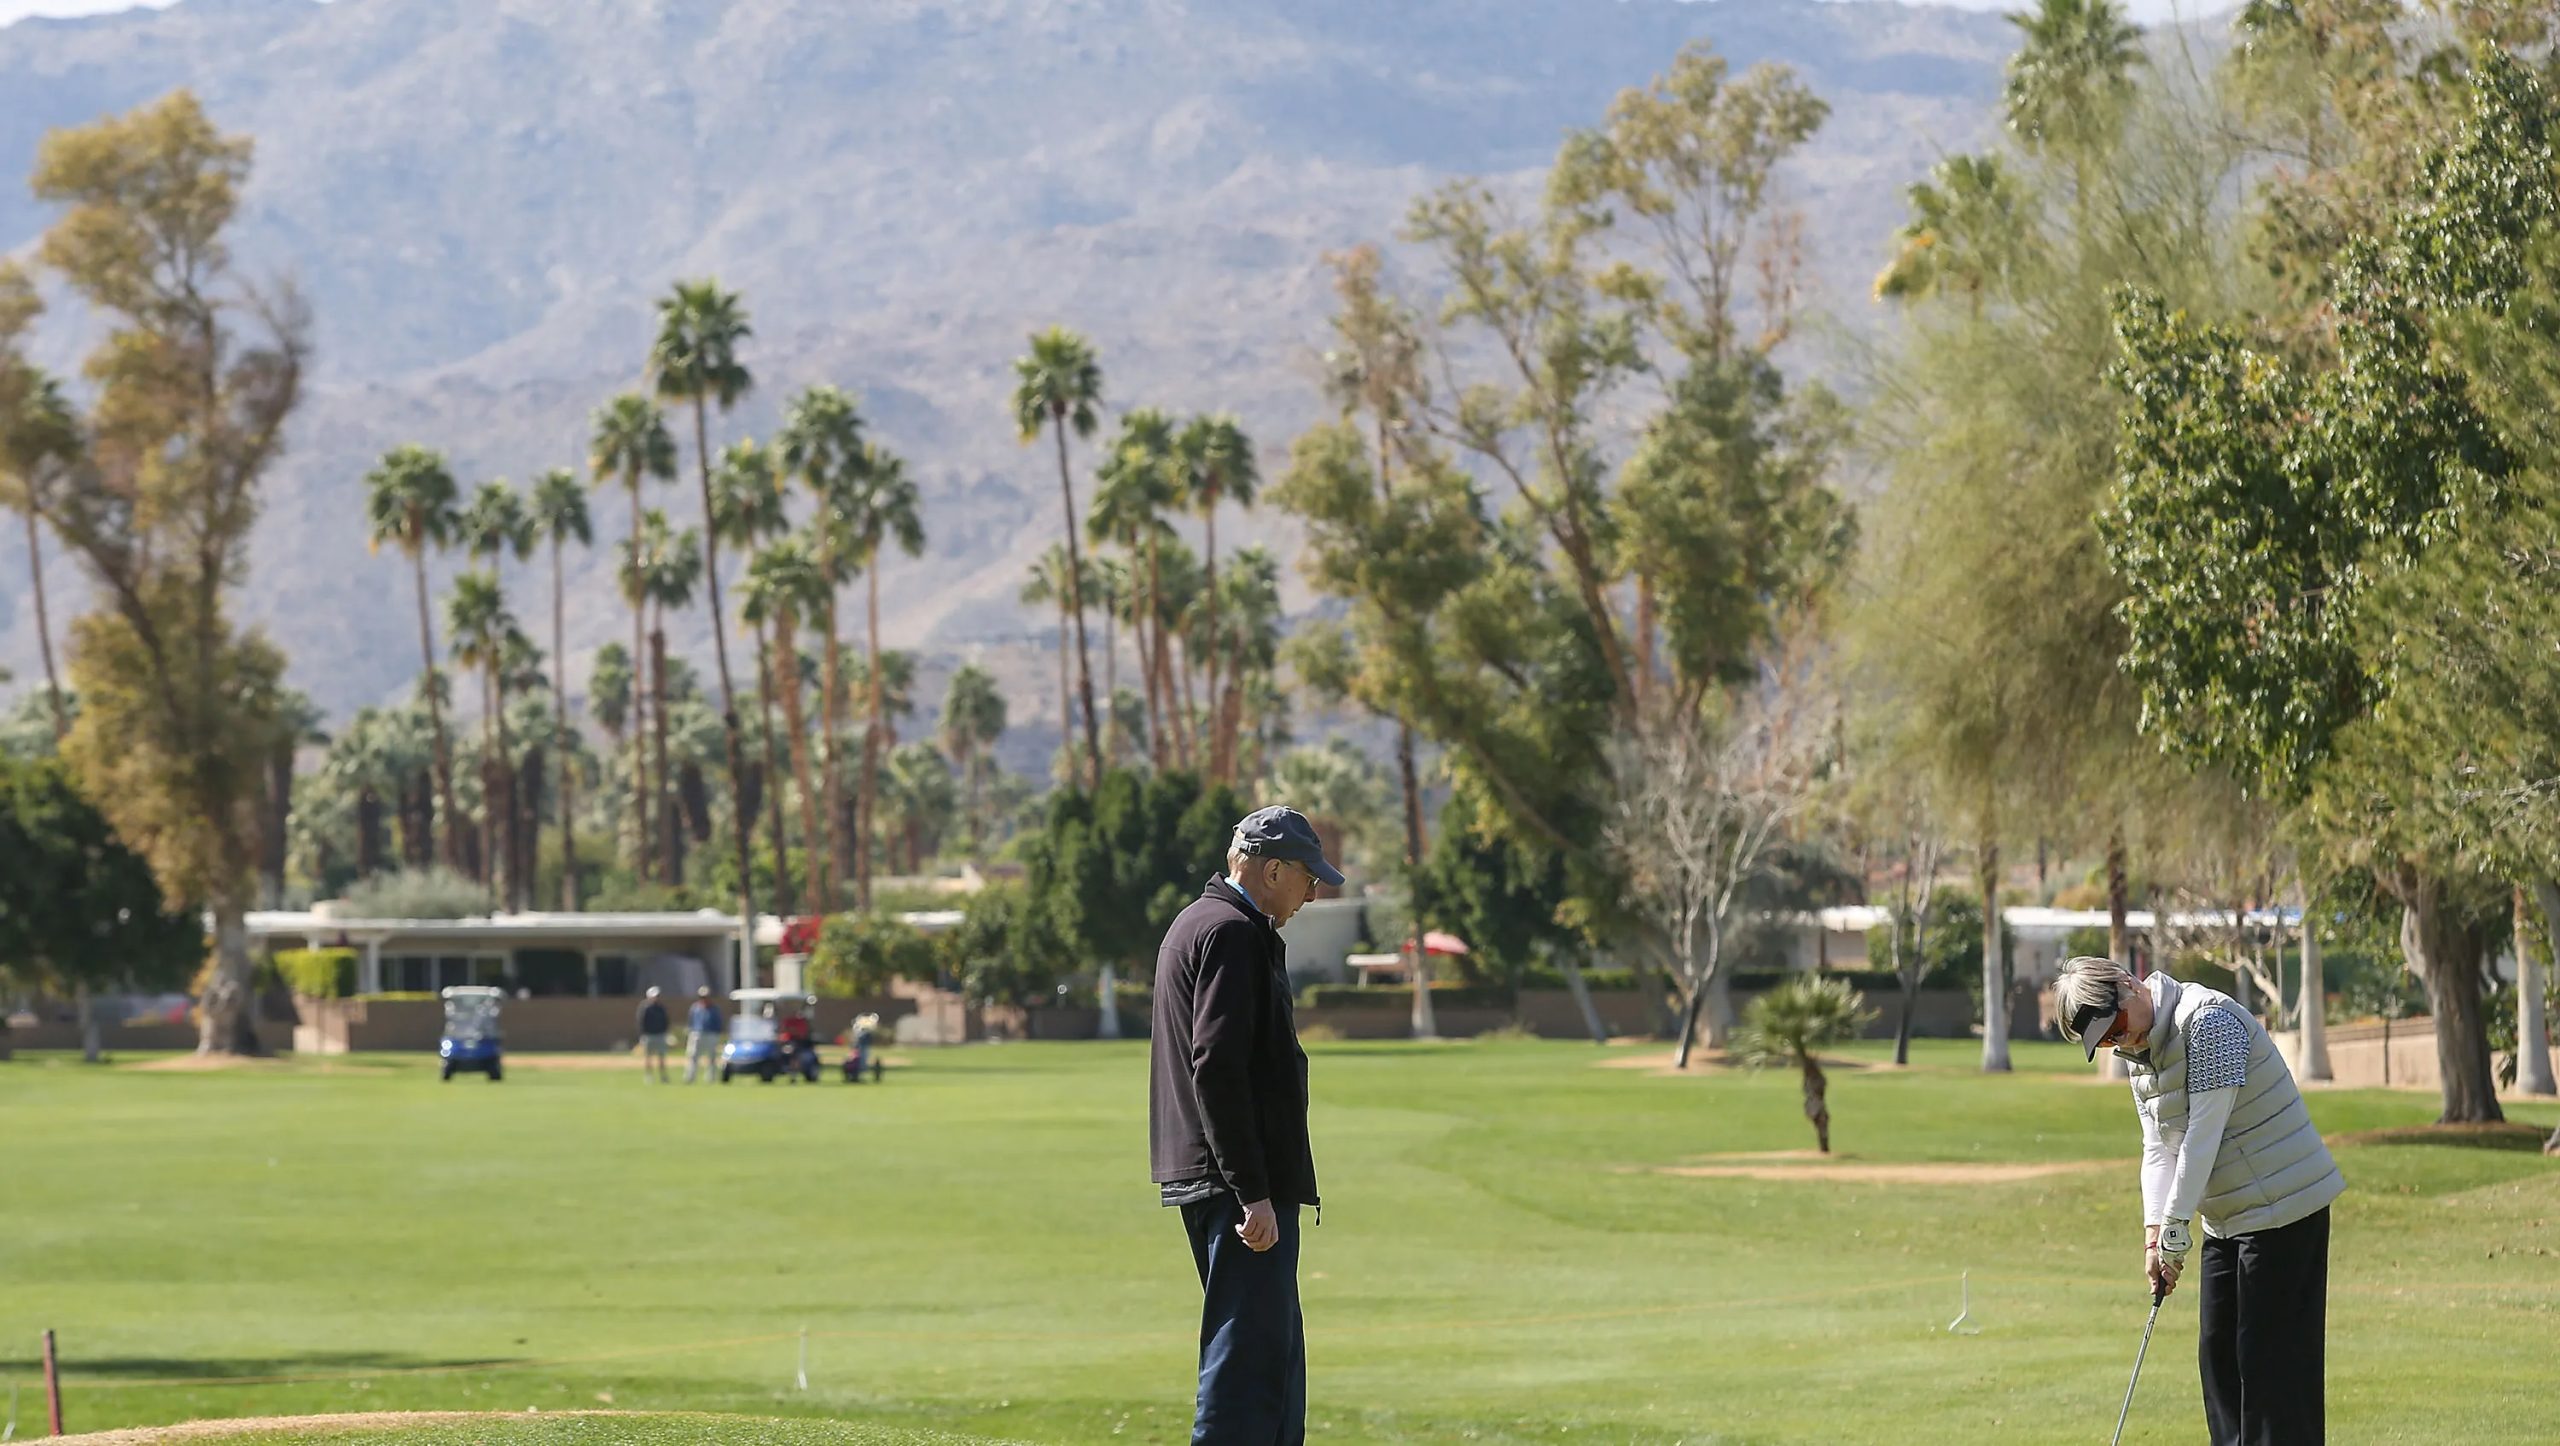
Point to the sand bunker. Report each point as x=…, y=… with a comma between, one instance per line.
x=245, y=1425
x=209, y=1063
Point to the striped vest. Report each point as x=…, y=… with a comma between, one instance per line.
x=2272, y=1168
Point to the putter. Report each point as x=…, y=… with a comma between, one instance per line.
x=2157, y=1296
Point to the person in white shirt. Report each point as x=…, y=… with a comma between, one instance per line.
x=2226, y=1145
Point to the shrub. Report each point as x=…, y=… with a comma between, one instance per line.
x=318, y=973
x=428, y=893
x=859, y=954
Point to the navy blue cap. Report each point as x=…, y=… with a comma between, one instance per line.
x=1279, y=832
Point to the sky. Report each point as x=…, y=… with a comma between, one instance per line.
x=2143, y=10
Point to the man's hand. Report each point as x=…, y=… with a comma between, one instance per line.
x=1260, y=1228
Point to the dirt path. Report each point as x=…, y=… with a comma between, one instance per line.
x=1809, y=1167
x=245, y=1425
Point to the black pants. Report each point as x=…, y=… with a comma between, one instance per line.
x=2264, y=1308
x=1253, y=1341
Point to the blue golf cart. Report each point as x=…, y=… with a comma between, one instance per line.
x=770, y=1035
x=470, y=1040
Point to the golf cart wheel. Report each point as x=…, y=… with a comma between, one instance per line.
x=766, y=1073
x=497, y=1072
x=448, y=1071
x=724, y=1074
x=810, y=1071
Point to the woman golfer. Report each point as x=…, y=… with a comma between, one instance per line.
x=2226, y=1144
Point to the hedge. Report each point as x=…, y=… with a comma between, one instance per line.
x=318, y=973
x=1382, y=996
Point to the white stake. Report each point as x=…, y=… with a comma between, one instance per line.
x=1964, y=1303
x=804, y=1358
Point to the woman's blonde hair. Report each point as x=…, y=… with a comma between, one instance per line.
x=2088, y=982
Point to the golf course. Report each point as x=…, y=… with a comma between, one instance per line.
x=1522, y=1242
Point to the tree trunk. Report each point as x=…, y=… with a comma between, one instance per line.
x=1144, y=622
x=44, y=626
x=785, y=897
x=867, y=801
x=1995, y=978
x=2312, y=1045
x=2533, y=1035
x=560, y=741
x=831, y=721
x=1581, y=988
x=497, y=812
x=2119, y=944
x=226, y=1017
x=450, y=824
x=1426, y=1024
x=644, y=861
x=417, y=812
x=91, y=1051
x=1689, y=1028
x=739, y=821
x=1817, y=1107
x=2445, y=952
x=525, y=781
x=271, y=840
x=1075, y=605
x=670, y=847
x=1908, y=977
x=368, y=833
x=1719, y=1017
x=1222, y=747
x=1106, y=996
x=813, y=847
x=1066, y=691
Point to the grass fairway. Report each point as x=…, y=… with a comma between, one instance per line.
x=973, y=1249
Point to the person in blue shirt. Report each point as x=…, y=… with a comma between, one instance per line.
x=703, y=1030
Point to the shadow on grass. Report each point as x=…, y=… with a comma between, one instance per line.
x=225, y=1368
x=2510, y=1136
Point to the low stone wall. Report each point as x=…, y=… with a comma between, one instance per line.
x=561, y=1025
x=2356, y=1059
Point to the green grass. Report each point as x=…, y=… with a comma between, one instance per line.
x=973, y=1249
x=622, y=1429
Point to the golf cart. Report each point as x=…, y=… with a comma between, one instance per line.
x=471, y=1030
x=770, y=1036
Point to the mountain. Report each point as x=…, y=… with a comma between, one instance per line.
x=482, y=198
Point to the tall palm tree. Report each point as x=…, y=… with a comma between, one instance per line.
x=1048, y=583
x=973, y=718
x=747, y=498
x=494, y=525
x=1137, y=488
x=630, y=442
x=695, y=359
x=668, y=566
x=1217, y=466
x=39, y=444
x=475, y=613
x=559, y=516
x=1058, y=385
x=2074, y=68
x=822, y=444
x=409, y=502
x=784, y=586
x=884, y=510
x=613, y=686
x=1964, y=217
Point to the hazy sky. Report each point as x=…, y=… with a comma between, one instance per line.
x=20, y=9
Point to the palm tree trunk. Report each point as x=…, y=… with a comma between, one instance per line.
x=728, y=702
x=867, y=800
x=785, y=897
x=1816, y=1105
x=1066, y=688
x=831, y=711
x=644, y=859
x=1426, y=1025
x=1995, y=982
x=1151, y=660
x=452, y=827
x=1075, y=605
x=669, y=844
x=490, y=754
x=44, y=629
x=1222, y=748
x=560, y=732
x=271, y=844
x=1193, y=749
x=368, y=833
x=787, y=662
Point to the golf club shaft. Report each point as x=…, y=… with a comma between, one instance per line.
x=2137, y=1364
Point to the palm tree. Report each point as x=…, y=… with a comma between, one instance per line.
x=560, y=516
x=1138, y=483
x=1791, y=1024
x=1048, y=583
x=297, y=722
x=1963, y=217
x=918, y=800
x=2072, y=73
x=611, y=690
x=1217, y=466
x=476, y=614
x=630, y=441
x=1058, y=385
x=695, y=359
x=783, y=586
x=973, y=718
x=1109, y=590
x=748, y=511
x=494, y=525
x=667, y=567
x=883, y=510
x=409, y=502
x=822, y=444
x=39, y=443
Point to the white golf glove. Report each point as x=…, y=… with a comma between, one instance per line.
x=2175, y=1241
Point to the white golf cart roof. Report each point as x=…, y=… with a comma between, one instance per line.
x=474, y=991
x=769, y=996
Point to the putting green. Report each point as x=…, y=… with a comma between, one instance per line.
x=1518, y=1245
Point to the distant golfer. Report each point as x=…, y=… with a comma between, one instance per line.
x=2226, y=1143
x=1228, y=1122
x=703, y=1028
x=652, y=1021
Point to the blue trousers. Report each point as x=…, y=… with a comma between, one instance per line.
x=1253, y=1339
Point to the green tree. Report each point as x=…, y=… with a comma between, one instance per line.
x=1791, y=1025
x=666, y=569
x=411, y=502
x=1139, y=483
x=1058, y=385
x=1049, y=584
x=40, y=451
x=1507, y=902
x=1217, y=467
x=476, y=615
x=917, y=802
x=973, y=718
x=194, y=377
x=822, y=444
x=79, y=911
x=783, y=587
x=748, y=512
x=559, y=516
x=1003, y=951
x=695, y=359
x=494, y=526
x=1109, y=869
x=862, y=953
x=630, y=442
x=884, y=510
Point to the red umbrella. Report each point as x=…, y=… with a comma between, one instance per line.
x=1435, y=942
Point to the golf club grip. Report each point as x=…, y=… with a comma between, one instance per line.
x=2158, y=1296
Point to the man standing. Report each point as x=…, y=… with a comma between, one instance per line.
x=2226, y=1143
x=1228, y=1124
x=653, y=1037
x=703, y=1028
